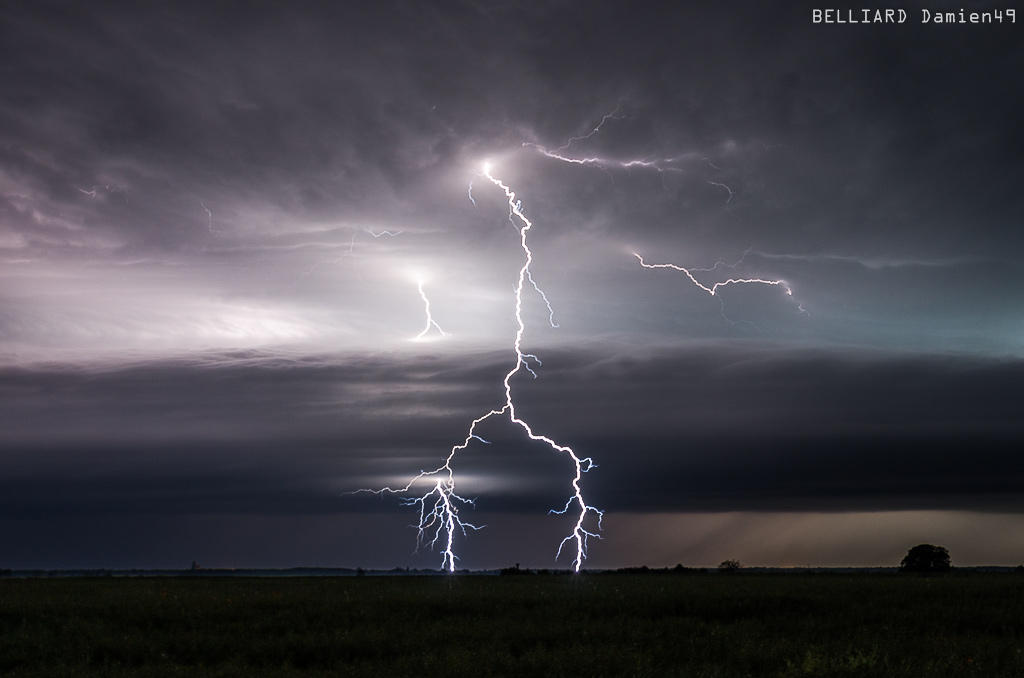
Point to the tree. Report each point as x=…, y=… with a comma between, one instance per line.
x=729, y=566
x=926, y=558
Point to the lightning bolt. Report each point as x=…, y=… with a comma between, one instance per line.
x=551, y=311
x=440, y=504
x=430, y=319
x=660, y=165
x=579, y=534
x=597, y=128
x=714, y=288
x=439, y=519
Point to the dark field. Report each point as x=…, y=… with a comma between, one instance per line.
x=556, y=625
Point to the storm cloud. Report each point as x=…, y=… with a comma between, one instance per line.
x=213, y=223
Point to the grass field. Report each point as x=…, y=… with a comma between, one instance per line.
x=556, y=625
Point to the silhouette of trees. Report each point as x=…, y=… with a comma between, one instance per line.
x=926, y=558
x=729, y=566
x=513, y=570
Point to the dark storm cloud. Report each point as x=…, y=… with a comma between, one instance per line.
x=709, y=428
x=714, y=429
x=312, y=112
x=245, y=394
x=319, y=112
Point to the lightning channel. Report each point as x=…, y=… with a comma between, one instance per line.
x=689, y=271
x=713, y=290
x=430, y=319
x=658, y=164
x=551, y=311
x=439, y=507
x=580, y=534
x=597, y=128
x=434, y=492
x=661, y=165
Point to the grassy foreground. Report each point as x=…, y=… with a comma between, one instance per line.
x=557, y=625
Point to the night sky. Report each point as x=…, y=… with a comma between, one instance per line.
x=214, y=218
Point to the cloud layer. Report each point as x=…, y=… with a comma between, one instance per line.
x=213, y=222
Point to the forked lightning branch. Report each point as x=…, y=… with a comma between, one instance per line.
x=434, y=493
x=439, y=507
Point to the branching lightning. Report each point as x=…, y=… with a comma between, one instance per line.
x=579, y=534
x=439, y=518
x=439, y=503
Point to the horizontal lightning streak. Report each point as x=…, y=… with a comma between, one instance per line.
x=714, y=288
x=660, y=164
